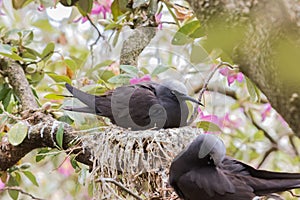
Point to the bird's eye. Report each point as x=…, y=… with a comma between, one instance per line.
x=173, y=92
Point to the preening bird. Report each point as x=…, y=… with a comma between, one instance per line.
x=139, y=106
x=203, y=172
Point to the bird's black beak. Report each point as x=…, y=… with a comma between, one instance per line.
x=189, y=98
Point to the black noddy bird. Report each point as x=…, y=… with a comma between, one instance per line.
x=139, y=106
x=203, y=172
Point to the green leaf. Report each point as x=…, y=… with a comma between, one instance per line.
x=65, y=119
x=71, y=64
x=251, y=89
x=44, y=25
x=31, y=177
x=17, y=133
x=106, y=75
x=120, y=79
x=41, y=154
x=4, y=89
x=116, y=37
x=74, y=163
x=14, y=194
x=5, y=49
x=53, y=96
x=98, y=66
x=130, y=69
x=59, y=78
x=85, y=6
x=115, y=10
x=159, y=70
x=27, y=37
x=208, y=126
x=7, y=99
x=48, y=51
x=186, y=33
x=60, y=135
x=82, y=176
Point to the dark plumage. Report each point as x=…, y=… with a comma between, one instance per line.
x=202, y=171
x=139, y=106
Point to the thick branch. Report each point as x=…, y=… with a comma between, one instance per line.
x=43, y=126
x=18, y=81
x=135, y=44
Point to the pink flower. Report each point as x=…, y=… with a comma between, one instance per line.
x=229, y=123
x=210, y=118
x=97, y=9
x=2, y=185
x=231, y=75
x=266, y=112
x=136, y=80
x=41, y=8
x=66, y=168
x=221, y=122
x=158, y=20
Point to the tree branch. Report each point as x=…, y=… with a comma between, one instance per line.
x=18, y=81
x=135, y=44
x=43, y=126
x=21, y=191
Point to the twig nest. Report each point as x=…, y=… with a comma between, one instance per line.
x=138, y=159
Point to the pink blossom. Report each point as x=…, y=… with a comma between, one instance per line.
x=136, y=80
x=66, y=168
x=229, y=123
x=158, y=20
x=221, y=122
x=41, y=8
x=231, y=75
x=266, y=112
x=2, y=185
x=97, y=9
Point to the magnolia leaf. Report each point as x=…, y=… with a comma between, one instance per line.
x=130, y=69
x=48, y=51
x=85, y=6
x=120, y=79
x=208, y=126
x=159, y=70
x=41, y=154
x=31, y=177
x=17, y=133
x=54, y=96
x=252, y=91
x=60, y=135
x=59, y=78
x=186, y=33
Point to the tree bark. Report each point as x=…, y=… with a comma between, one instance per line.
x=262, y=38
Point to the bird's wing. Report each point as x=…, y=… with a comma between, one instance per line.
x=134, y=105
x=263, y=182
x=212, y=183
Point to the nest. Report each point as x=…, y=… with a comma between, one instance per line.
x=134, y=164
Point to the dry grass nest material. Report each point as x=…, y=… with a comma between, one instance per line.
x=135, y=160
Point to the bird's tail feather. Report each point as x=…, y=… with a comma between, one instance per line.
x=276, y=185
x=87, y=99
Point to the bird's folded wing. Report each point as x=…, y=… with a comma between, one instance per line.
x=213, y=182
